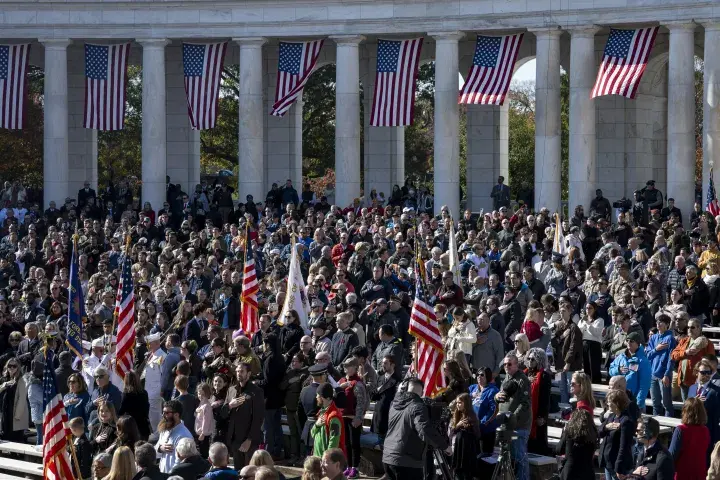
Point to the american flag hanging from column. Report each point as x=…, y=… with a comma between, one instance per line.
x=297, y=61
x=428, y=346
x=248, y=297
x=712, y=201
x=125, y=314
x=493, y=65
x=624, y=61
x=13, y=85
x=397, y=69
x=105, y=86
x=56, y=460
x=202, y=66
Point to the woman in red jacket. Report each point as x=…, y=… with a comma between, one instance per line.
x=690, y=442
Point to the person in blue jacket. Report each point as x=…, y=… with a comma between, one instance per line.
x=635, y=367
x=483, y=401
x=661, y=366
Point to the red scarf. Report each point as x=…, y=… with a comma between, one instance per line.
x=535, y=399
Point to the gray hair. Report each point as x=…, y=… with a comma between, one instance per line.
x=351, y=298
x=186, y=448
x=101, y=371
x=539, y=356
x=104, y=458
x=175, y=477
x=618, y=382
x=218, y=454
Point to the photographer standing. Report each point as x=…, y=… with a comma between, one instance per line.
x=514, y=399
x=409, y=433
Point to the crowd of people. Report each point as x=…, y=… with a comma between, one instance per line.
x=612, y=299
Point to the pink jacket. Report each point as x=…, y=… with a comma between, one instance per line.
x=204, y=420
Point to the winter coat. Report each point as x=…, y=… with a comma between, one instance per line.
x=409, y=431
x=661, y=364
x=383, y=397
x=616, y=448
x=568, y=348
x=484, y=405
x=341, y=345
x=489, y=353
x=462, y=336
x=273, y=372
x=292, y=385
x=638, y=375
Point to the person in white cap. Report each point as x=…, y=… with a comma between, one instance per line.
x=92, y=362
x=153, y=375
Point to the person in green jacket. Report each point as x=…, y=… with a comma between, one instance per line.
x=328, y=431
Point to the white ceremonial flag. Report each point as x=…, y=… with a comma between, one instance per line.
x=454, y=259
x=295, y=298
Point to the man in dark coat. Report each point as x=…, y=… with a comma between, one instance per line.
x=63, y=372
x=409, y=432
x=273, y=372
x=695, y=293
x=383, y=397
x=344, y=340
x=654, y=462
x=389, y=346
x=145, y=460
x=245, y=412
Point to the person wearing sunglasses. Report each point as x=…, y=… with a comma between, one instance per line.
x=14, y=393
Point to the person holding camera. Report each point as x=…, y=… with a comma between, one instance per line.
x=409, y=433
x=514, y=400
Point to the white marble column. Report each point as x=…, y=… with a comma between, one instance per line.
x=447, y=122
x=296, y=144
x=251, y=177
x=583, y=171
x=487, y=153
x=347, y=119
x=55, y=133
x=681, y=117
x=154, y=133
x=547, y=119
x=711, y=104
x=82, y=142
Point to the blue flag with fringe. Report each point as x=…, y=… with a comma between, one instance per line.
x=76, y=307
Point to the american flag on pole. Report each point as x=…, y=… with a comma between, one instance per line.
x=56, y=459
x=105, y=86
x=125, y=314
x=395, y=80
x=493, y=65
x=296, y=63
x=202, y=66
x=248, y=297
x=429, y=349
x=624, y=61
x=13, y=85
x=712, y=201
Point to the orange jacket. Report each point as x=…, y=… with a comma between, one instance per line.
x=686, y=374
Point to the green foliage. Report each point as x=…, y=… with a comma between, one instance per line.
x=522, y=136
x=22, y=150
x=120, y=152
x=219, y=146
x=319, y=123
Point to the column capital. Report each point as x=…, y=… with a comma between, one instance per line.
x=347, y=39
x=447, y=36
x=583, y=31
x=710, y=24
x=250, y=41
x=553, y=31
x=153, y=42
x=61, y=43
x=680, y=26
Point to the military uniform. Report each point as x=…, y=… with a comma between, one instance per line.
x=153, y=376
